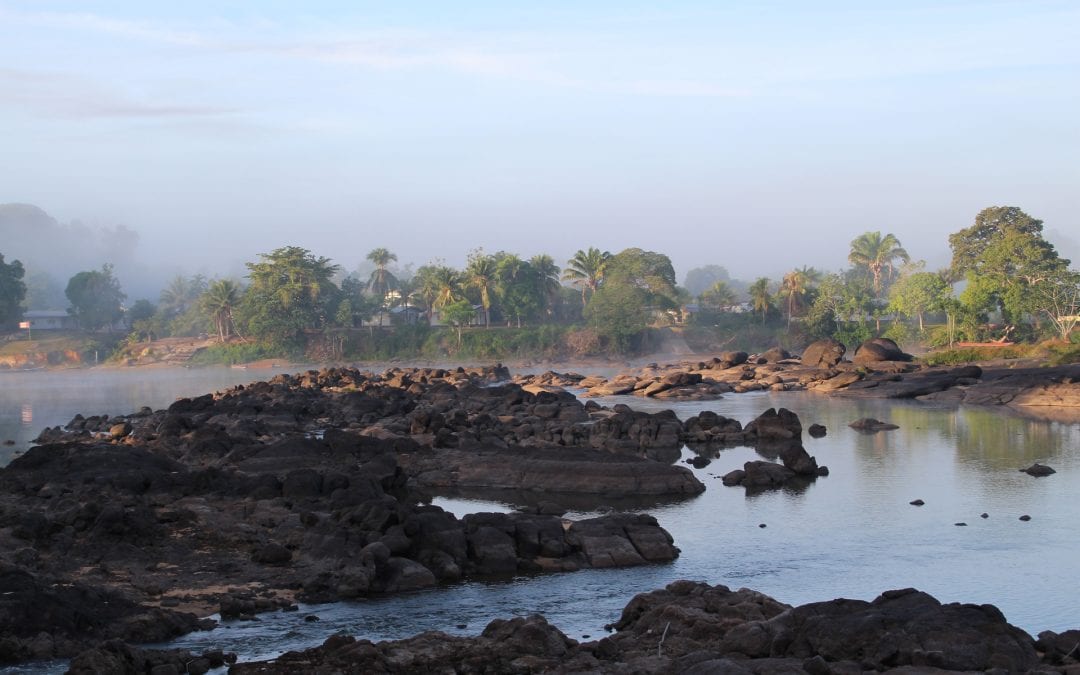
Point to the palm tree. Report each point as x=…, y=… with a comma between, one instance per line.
x=447, y=286
x=760, y=296
x=547, y=278
x=718, y=295
x=876, y=253
x=181, y=293
x=586, y=269
x=218, y=301
x=481, y=274
x=795, y=285
x=382, y=280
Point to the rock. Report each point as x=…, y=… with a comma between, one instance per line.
x=775, y=354
x=871, y=425
x=877, y=350
x=917, y=502
x=1025, y=518
x=816, y=431
x=823, y=353
x=1038, y=470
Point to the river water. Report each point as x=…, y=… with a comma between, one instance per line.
x=850, y=534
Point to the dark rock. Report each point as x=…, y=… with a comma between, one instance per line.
x=1038, y=470
x=871, y=425
x=917, y=502
x=816, y=431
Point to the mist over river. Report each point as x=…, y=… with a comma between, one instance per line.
x=850, y=534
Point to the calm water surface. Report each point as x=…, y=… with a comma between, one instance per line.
x=851, y=534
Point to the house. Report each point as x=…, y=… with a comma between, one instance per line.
x=49, y=319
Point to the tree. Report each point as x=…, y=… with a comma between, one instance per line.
x=917, y=293
x=718, y=296
x=760, y=297
x=382, y=280
x=448, y=284
x=458, y=314
x=222, y=296
x=646, y=270
x=875, y=253
x=617, y=313
x=1058, y=297
x=546, y=276
x=12, y=291
x=95, y=297
x=796, y=287
x=181, y=294
x=586, y=270
x=481, y=274
x=701, y=279
x=141, y=318
x=519, y=289
x=290, y=291
x=1002, y=256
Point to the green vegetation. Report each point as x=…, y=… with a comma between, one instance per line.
x=12, y=292
x=96, y=299
x=1005, y=283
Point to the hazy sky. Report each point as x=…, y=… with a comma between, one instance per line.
x=755, y=135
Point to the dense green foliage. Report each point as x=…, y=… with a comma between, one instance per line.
x=12, y=291
x=95, y=297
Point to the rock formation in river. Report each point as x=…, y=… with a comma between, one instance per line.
x=306, y=487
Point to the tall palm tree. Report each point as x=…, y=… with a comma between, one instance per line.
x=876, y=254
x=481, y=274
x=382, y=280
x=547, y=278
x=586, y=269
x=760, y=296
x=795, y=285
x=218, y=301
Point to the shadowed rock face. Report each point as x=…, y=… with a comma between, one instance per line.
x=691, y=627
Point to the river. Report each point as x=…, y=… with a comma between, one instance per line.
x=850, y=534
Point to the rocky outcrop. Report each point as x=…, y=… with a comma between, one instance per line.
x=776, y=434
x=690, y=627
x=308, y=487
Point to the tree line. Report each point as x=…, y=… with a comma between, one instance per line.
x=1002, y=268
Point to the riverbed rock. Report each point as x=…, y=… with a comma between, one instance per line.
x=823, y=353
x=1038, y=470
x=877, y=350
x=871, y=425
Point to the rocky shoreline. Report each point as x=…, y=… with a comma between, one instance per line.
x=315, y=487
x=687, y=627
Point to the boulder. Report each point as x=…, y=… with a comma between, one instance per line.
x=877, y=350
x=823, y=353
x=1038, y=470
x=871, y=425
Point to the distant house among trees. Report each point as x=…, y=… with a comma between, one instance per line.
x=50, y=319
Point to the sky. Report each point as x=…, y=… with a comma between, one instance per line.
x=757, y=135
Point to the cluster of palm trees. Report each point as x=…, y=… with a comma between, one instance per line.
x=514, y=287
x=873, y=256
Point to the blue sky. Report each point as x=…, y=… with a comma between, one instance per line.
x=760, y=136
